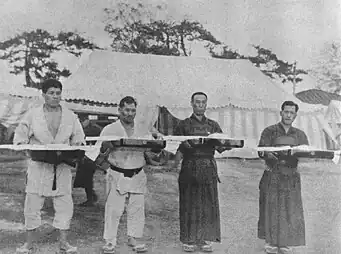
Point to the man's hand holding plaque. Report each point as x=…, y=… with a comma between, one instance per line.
x=102, y=159
x=106, y=145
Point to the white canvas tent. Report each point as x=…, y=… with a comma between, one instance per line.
x=333, y=112
x=241, y=98
x=333, y=117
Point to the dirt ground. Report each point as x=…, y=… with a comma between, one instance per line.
x=321, y=191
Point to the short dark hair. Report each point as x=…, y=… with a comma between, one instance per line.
x=47, y=84
x=198, y=93
x=82, y=117
x=291, y=104
x=127, y=100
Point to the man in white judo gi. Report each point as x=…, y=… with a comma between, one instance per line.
x=50, y=123
x=125, y=178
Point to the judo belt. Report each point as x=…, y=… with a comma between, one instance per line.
x=57, y=157
x=126, y=172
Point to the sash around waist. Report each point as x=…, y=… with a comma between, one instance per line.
x=127, y=172
x=52, y=157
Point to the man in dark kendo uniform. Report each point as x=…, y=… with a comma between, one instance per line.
x=86, y=168
x=199, y=211
x=281, y=221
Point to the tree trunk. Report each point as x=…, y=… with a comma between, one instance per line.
x=26, y=65
x=183, y=44
x=167, y=41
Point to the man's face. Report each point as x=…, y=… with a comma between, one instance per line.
x=199, y=104
x=127, y=113
x=53, y=97
x=288, y=115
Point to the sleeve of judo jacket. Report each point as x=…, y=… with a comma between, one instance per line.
x=23, y=132
x=104, y=148
x=78, y=136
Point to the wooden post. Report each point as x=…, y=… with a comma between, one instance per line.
x=294, y=81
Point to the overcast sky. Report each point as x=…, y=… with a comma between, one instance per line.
x=293, y=29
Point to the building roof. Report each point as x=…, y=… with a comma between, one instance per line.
x=316, y=96
x=170, y=81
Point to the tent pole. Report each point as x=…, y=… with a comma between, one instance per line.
x=157, y=119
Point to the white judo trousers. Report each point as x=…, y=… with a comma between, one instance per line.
x=114, y=209
x=119, y=188
x=63, y=206
x=34, y=129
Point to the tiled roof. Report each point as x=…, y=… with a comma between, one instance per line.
x=316, y=96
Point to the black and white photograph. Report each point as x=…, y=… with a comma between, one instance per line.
x=170, y=127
